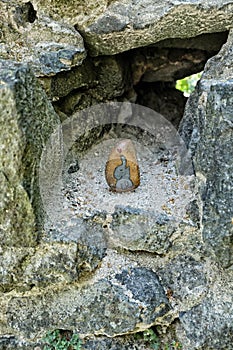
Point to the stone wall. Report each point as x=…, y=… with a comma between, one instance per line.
x=141, y=270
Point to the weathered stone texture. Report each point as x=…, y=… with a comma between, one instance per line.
x=109, y=275
x=27, y=119
x=133, y=300
x=111, y=27
x=205, y=329
x=137, y=230
x=207, y=129
x=32, y=37
x=127, y=25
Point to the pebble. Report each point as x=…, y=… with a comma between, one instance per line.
x=122, y=170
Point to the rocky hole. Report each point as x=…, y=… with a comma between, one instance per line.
x=157, y=68
x=25, y=13
x=148, y=75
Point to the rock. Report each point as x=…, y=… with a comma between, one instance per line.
x=12, y=260
x=110, y=27
x=48, y=46
x=81, y=77
x=96, y=80
x=208, y=134
x=26, y=121
x=115, y=264
x=209, y=315
x=122, y=26
x=137, y=230
x=122, y=170
x=113, y=344
x=68, y=251
x=11, y=343
x=103, y=308
x=175, y=277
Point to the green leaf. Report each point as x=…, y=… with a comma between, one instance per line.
x=188, y=84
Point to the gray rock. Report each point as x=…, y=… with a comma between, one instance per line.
x=10, y=342
x=12, y=260
x=117, y=343
x=26, y=120
x=209, y=325
x=32, y=37
x=207, y=130
x=101, y=79
x=51, y=263
x=145, y=270
x=66, y=252
x=130, y=342
x=186, y=279
x=135, y=229
x=81, y=77
x=146, y=288
x=110, y=27
x=205, y=42
x=130, y=301
x=127, y=25
x=107, y=344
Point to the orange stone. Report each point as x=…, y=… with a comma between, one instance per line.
x=122, y=170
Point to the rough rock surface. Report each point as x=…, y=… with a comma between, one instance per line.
x=133, y=24
x=114, y=266
x=194, y=321
x=27, y=119
x=146, y=76
x=31, y=37
x=133, y=301
x=208, y=133
x=110, y=27
x=42, y=34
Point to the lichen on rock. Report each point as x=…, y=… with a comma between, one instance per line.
x=75, y=256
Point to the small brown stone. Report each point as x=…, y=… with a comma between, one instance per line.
x=122, y=170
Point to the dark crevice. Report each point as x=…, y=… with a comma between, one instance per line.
x=156, y=68
x=145, y=76
x=162, y=97
x=25, y=14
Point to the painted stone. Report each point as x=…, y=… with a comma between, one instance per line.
x=122, y=170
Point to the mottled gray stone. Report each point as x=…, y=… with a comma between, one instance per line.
x=186, y=278
x=26, y=121
x=32, y=37
x=72, y=276
x=135, y=229
x=146, y=288
x=128, y=342
x=82, y=77
x=117, y=343
x=108, y=307
x=51, y=263
x=110, y=27
x=96, y=80
x=9, y=342
x=209, y=325
x=126, y=25
x=66, y=252
x=206, y=42
x=88, y=237
x=12, y=262
x=207, y=130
